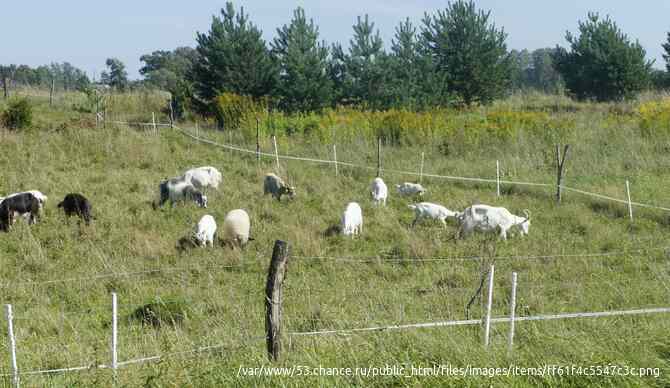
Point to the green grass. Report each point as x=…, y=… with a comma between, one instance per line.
x=217, y=297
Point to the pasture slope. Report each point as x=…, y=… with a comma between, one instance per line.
x=215, y=296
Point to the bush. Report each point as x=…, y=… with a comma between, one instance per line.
x=18, y=114
x=231, y=110
x=654, y=117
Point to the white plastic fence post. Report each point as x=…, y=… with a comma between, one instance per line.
x=153, y=122
x=498, y=178
x=421, y=169
x=335, y=158
x=512, y=308
x=114, y=333
x=12, y=344
x=274, y=142
x=630, y=205
x=487, y=325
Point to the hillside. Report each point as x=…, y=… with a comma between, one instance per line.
x=392, y=274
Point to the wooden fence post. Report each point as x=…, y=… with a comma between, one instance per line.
x=560, y=164
x=498, y=178
x=487, y=323
x=12, y=345
x=171, y=113
x=104, y=118
x=335, y=158
x=153, y=122
x=258, y=140
x=51, y=92
x=114, y=342
x=630, y=204
x=273, y=298
x=379, y=156
x=421, y=168
x=97, y=108
x=512, y=312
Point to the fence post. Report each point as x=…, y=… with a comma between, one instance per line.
x=97, y=108
x=104, y=118
x=12, y=344
x=379, y=156
x=630, y=204
x=421, y=169
x=171, y=113
x=114, y=343
x=153, y=122
x=512, y=311
x=274, y=143
x=51, y=92
x=197, y=130
x=560, y=163
x=335, y=158
x=273, y=298
x=258, y=140
x=487, y=325
x=498, y=178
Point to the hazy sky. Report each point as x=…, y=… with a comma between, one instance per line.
x=85, y=33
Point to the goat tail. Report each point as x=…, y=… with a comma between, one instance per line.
x=60, y=204
x=413, y=207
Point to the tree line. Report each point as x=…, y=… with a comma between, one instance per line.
x=454, y=56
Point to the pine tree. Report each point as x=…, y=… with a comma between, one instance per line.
x=304, y=84
x=469, y=51
x=233, y=58
x=666, y=56
x=602, y=64
x=366, y=75
x=116, y=77
x=405, y=65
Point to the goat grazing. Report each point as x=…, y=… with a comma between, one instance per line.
x=433, y=211
x=486, y=218
x=236, y=227
x=41, y=198
x=205, y=230
x=202, y=177
x=275, y=185
x=22, y=204
x=408, y=189
x=77, y=204
x=352, y=220
x=179, y=189
x=379, y=191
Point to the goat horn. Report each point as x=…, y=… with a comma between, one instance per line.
x=526, y=212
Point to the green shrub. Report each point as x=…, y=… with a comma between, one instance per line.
x=231, y=110
x=18, y=114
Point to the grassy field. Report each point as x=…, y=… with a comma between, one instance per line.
x=215, y=296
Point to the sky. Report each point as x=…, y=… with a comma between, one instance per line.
x=86, y=32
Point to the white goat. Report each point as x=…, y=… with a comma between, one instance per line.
x=486, y=218
x=379, y=191
x=236, y=226
x=432, y=211
x=274, y=185
x=205, y=230
x=352, y=220
x=410, y=189
x=202, y=177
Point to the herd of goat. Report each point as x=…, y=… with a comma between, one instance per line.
x=237, y=224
